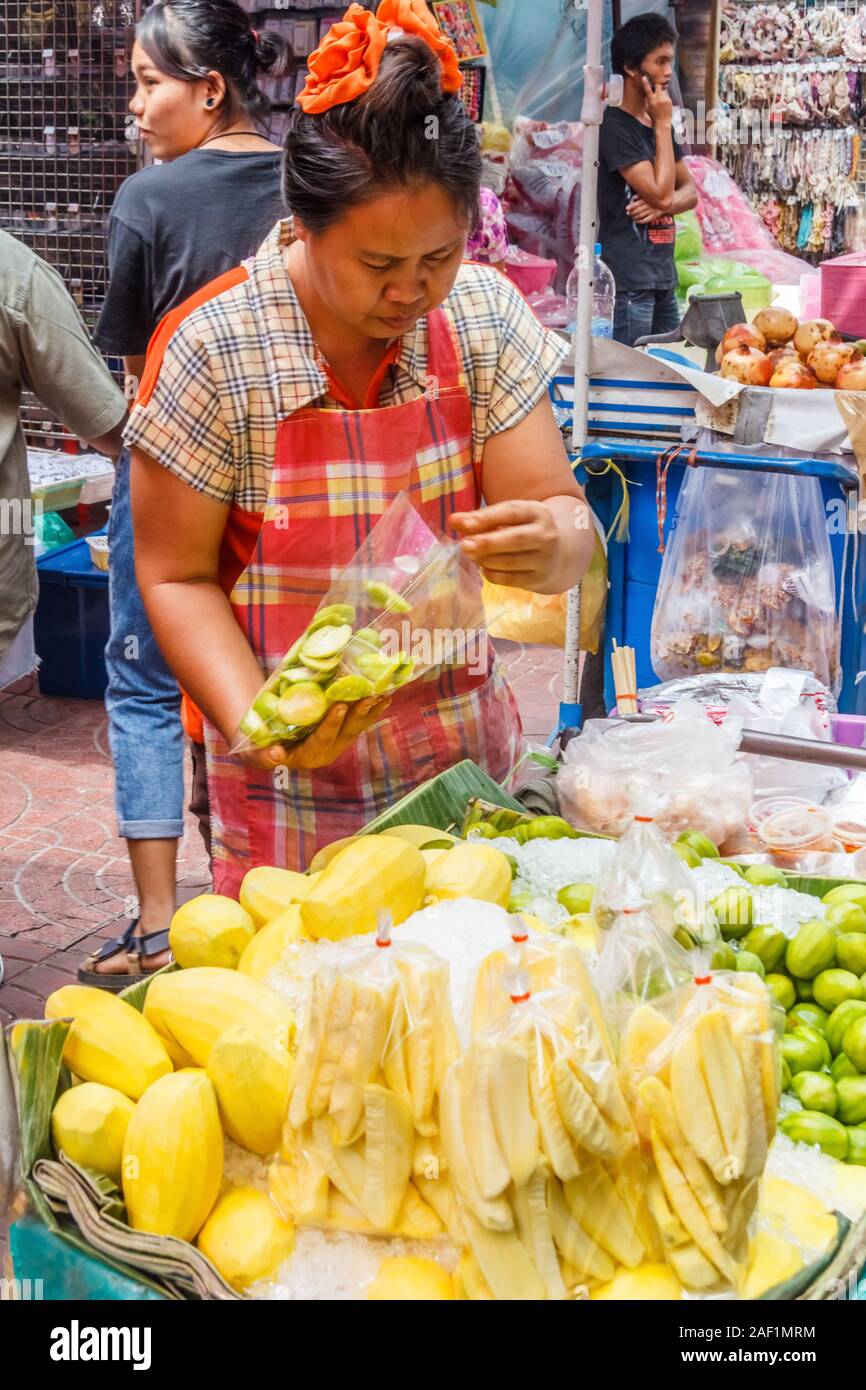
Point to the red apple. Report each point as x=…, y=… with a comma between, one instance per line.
x=811, y=332
x=748, y=365
x=792, y=375
x=828, y=356
x=740, y=333
x=852, y=374
x=777, y=325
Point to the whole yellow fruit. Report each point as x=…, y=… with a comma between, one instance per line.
x=210, y=930
x=89, y=1123
x=406, y=1278
x=245, y=1237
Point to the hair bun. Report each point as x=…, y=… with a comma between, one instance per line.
x=273, y=53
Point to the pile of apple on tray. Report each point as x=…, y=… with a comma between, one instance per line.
x=776, y=350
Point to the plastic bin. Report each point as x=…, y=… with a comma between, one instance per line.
x=72, y=623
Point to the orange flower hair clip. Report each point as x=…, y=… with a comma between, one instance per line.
x=347, y=60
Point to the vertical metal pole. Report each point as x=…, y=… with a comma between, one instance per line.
x=591, y=113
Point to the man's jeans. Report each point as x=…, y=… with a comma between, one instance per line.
x=638, y=313
x=143, y=698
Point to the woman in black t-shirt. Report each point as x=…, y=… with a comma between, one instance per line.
x=174, y=228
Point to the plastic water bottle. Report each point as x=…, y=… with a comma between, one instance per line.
x=603, y=296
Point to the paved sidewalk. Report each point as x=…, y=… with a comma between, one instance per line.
x=64, y=877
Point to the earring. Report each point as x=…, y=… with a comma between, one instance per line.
x=210, y=102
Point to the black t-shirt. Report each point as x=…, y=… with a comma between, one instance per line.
x=640, y=257
x=175, y=227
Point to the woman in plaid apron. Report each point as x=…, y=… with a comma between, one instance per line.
x=334, y=469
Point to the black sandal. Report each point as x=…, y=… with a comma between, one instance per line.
x=131, y=944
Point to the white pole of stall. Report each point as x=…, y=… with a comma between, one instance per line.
x=591, y=113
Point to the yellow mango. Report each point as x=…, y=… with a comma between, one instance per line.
x=374, y=873
x=194, y=1007
x=269, y=945
x=772, y=1260
x=109, y=1041
x=406, y=1278
x=173, y=1156
x=89, y=1124
x=210, y=930
x=245, y=1238
x=266, y=892
x=470, y=871
x=649, y=1282
x=252, y=1079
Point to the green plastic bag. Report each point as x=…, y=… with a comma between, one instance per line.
x=689, y=243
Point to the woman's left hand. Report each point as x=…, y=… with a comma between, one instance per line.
x=514, y=543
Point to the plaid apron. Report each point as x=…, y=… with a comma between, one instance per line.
x=335, y=472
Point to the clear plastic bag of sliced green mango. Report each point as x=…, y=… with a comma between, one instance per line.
x=406, y=607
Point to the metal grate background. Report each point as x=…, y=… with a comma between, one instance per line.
x=67, y=142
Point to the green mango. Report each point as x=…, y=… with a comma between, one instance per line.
x=818, y=1037
x=847, y=917
x=576, y=897
x=765, y=876
x=551, y=828
x=846, y=893
x=804, y=989
x=807, y=1013
x=700, y=843
x=812, y=950
x=782, y=990
x=785, y=1077
x=852, y=1100
x=732, y=864
x=724, y=957
x=843, y=1066
x=801, y=1052
x=854, y=1043
x=856, y=1147
x=840, y=1019
x=816, y=1091
x=733, y=909
x=811, y=1127
x=519, y=901
x=685, y=938
x=483, y=831
x=768, y=943
x=747, y=960
x=851, y=951
x=689, y=856
x=833, y=987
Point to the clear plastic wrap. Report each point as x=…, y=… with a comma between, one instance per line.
x=747, y=579
x=539, y=1146
x=361, y=1140
x=691, y=761
x=406, y=606
x=700, y=1066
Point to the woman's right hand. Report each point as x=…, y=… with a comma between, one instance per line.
x=339, y=729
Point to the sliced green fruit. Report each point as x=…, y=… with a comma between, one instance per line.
x=256, y=730
x=293, y=674
x=333, y=614
x=318, y=668
x=816, y=1091
x=782, y=990
x=305, y=704
x=833, y=987
x=368, y=635
x=576, y=897
x=326, y=642
x=348, y=689
x=383, y=596
x=266, y=704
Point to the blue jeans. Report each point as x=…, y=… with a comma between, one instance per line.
x=638, y=313
x=143, y=698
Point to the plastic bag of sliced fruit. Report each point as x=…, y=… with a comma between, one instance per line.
x=407, y=606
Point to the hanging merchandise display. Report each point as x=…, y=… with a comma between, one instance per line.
x=792, y=96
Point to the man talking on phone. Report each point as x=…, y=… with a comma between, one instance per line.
x=642, y=181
